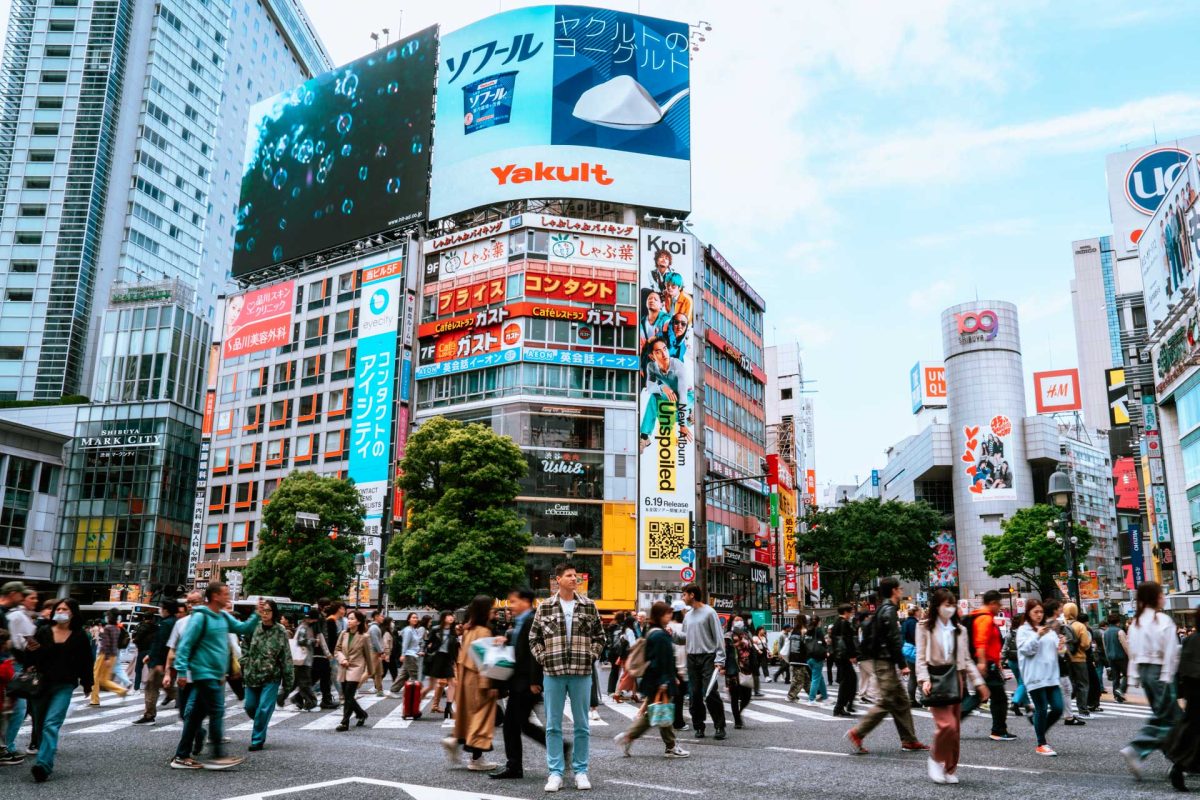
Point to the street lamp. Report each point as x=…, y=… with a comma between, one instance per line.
x=127, y=571
x=569, y=547
x=359, y=562
x=1060, y=492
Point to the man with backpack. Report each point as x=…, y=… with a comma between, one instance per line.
x=882, y=640
x=796, y=653
x=844, y=646
x=1116, y=650
x=987, y=646
x=817, y=653
x=1078, y=643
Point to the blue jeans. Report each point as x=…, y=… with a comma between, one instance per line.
x=1021, y=694
x=260, y=705
x=1047, y=708
x=817, y=685
x=207, y=699
x=19, y=707
x=556, y=689
x=55, y=702
x=1161, y=697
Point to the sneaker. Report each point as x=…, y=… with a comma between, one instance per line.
x=553, y=783
x=856, y=743
x=1002, y=737
x=481, y=765
x=594, y=716
x=700, y=732
x=224, y=762
x=40, y=773
x=951, y=777
x=453, y=755
x=676, y=752
x=1045, y=750
x=582, y=783
x=1074, y=721
x=1083, y=715
x=719, y=735
x=914, y=747
x=1132, y=760
x=185, y=763
x=937, y=773
x=143, y=721
x=31, y=751
x=625, y=743
x=684, y=727
x=8, y=759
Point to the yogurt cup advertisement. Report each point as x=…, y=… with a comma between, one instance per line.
x=563, y=101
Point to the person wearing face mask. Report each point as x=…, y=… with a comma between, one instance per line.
x=942, y=646
x=62, y=655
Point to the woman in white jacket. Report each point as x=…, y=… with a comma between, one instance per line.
x=1153, y=657
x=1038, y=643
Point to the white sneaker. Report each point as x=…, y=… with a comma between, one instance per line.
x=594, y=716
x=582, y=783
x=951, y=777
x=481, y=765
x=676, y=752
x=1133, y=761
x=937, y=772
x=625, y=743
x=453, y=755
x=553, y=783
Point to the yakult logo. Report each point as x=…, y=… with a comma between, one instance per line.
x=977, y=326
x=1150, y=176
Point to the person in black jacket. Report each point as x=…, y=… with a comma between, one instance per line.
x=657, y=683
x=524, y=687
x=154, y=656
x=331, y=629
x=1183, y=743
x=886, y=647
x=843, y=652
x=62, y=655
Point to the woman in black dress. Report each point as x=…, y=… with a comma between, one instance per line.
x=1183, y=744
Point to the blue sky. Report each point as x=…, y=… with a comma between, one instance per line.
x=865, y=164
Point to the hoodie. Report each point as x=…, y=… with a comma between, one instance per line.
x=203, y=650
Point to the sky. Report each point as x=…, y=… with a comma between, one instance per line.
x=866, y=164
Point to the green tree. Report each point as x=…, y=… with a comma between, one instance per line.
x=862, y=540
x=303, y=563
x=464, y=535
x=1024, y=551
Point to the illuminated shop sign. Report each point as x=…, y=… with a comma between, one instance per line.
x=977, y=326
x=495, y=316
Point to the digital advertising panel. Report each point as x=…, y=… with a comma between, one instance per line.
x=1137, y=182
x=927, y=384
x=1057, y=390
x=1118, y=400
x=1169, y=248
x=339, y=157
x=666, y=400
x=563, y=101
x=371, y=423
x=945, y=551
x=1125, y=485
x=258, y=320
x=987, y=450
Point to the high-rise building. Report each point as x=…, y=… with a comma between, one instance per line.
x=1097, y=331
x=122, y=128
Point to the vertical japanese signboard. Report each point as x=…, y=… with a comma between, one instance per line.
x=374, y=394
x=666, y=402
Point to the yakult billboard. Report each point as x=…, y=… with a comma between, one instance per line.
x=563, y=101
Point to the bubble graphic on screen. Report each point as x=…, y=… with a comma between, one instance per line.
x=296, y=192
x=282, y=223
x=393, y=186
x=347, y=206
x=381, y=151
x=277, y=252
x=391, y=56
x=320, y=146
x=304, y=150
x=280, y=178
x=343, y=124
x=250, y=244
x=310, y=97
x=346, y=149
x=362, y=173
x=417, y=145
x=348, y=84
x=393, y=87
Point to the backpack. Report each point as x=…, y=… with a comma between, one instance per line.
x=635, y=661
x=618, y=647
x=867, y=630
x=1010, y=645
x=1072, y=639
x=123, y=639
x=816, y=646
x=797, y=648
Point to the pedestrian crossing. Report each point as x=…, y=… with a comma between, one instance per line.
x=772, y=708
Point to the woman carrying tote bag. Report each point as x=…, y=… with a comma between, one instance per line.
x=943, y=663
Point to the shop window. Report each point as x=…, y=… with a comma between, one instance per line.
x=551, y=523
x=253, y=419
x=218, y=498
x=280, y=413
x=338, y=401
x=308, y=410
x=246, y=496
x=214, y=534
x=219, y=462
x=335, y=445
x=248, y=457
x=240, y=535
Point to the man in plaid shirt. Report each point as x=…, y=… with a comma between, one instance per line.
x=566, y=638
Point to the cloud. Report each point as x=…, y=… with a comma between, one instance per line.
x=1043, y=306
x=953, y=151
x=808, y=332
x=933, y=297
x=1000, y=227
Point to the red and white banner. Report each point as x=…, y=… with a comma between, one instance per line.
x=259, y=320
x=1057, y=390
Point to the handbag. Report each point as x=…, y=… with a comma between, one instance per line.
x=26, y=685
x=745, y=679
x=662, y=711
x=945, y=687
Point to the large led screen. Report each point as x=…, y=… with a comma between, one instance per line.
x=339, y=157
x=563, y=101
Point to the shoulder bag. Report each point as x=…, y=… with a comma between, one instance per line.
x=945, y=687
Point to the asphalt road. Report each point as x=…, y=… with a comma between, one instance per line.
x=785, y=750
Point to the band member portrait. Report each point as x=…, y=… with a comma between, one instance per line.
x=668, y=381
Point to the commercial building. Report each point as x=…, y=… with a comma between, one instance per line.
x=31, y=467
x=790, y=421
x=121, y=138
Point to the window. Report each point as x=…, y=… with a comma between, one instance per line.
x=312, y=370
x=213, y=535
x=308, y=409
x=341, y=362
x=55, y=76
x=785, y=394
x=248, y=457
x=240, y=535
x=306, y=447
x=347, y=282
x=253, y=420
x=28, y=237
x=23, y=266
x=220, y=460
x=32, y=211
x=19, y=295
x=343, y=325
x=284, y=377
x=12, y=353
x=224, y=421
x=62, y=25
x=314, y=332
x=277, y=452
x=335, y=445
x=58, y=51
x=337, y=403
x=41, y=156
x=37, y=183
x=218, y=498
x=257, y=381
x=45, y=129
x=246, y=496
x=279, y=413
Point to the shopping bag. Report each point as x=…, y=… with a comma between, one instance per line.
x=662, y=711
x=499, y=663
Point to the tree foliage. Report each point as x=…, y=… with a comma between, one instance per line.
x=464, y=535
x=1024, y=551
x=862, y=540
x=305, y=564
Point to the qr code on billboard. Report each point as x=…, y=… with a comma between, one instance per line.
x=667, y=538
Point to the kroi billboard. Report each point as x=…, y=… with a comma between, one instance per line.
x=667, y=460
x=563, y=101
x=339, y=157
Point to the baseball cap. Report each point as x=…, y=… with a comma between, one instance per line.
x=12, y=586
x=678, y=605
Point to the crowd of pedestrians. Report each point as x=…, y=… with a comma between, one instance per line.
x=484, y=670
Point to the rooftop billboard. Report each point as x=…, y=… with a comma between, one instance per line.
x=1169, y=248
x=563, y=101
x=339, y=157
x=1137, y=182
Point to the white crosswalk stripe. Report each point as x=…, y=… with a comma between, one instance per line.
x=279, y=716
x=794, y=710
x=395, y=719
x=334, y=718
x=569, y=718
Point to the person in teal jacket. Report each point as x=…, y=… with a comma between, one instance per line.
x=203, y=653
